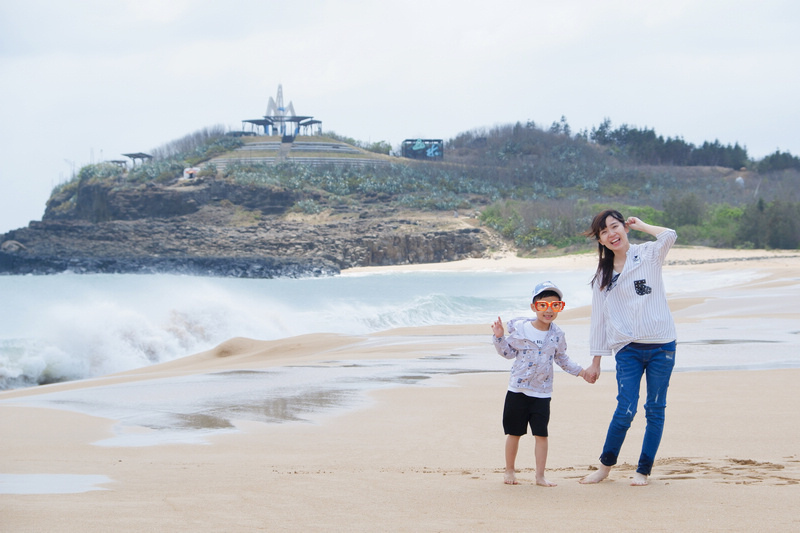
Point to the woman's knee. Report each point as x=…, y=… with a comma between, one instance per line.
x=655, y=412
x=625, y=414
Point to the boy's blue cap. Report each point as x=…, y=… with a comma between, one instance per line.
x=547, y=286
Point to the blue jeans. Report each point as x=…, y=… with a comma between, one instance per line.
x=655, y=362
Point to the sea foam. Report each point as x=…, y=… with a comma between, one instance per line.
x=69, y=326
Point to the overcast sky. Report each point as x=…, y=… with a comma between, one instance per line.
x=83, y=81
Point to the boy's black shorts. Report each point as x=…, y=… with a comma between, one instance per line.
x=521, y=410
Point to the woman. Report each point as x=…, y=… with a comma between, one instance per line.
x=631, y=319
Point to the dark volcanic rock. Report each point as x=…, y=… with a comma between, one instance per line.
x=219, y=228
x=212, y=241
x=269, y=267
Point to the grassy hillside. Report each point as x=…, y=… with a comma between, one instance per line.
x=537, y=188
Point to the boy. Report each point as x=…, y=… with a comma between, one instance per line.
x=533, y=343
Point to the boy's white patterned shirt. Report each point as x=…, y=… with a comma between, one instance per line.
x=532, y=371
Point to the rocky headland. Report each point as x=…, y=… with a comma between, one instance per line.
x=211, y=227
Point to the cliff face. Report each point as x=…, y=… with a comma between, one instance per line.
x=99, y=202
x=218, y=228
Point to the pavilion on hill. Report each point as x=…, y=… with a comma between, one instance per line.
x=282, y=120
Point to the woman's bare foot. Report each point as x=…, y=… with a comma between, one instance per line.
x=542, y=482
x=598, y=476
x=639, y=480
x=510, y=478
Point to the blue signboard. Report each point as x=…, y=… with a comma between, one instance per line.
x=423, y=148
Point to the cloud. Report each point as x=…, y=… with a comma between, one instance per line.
x=89, y=79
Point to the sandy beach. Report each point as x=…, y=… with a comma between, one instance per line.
x=427, y=454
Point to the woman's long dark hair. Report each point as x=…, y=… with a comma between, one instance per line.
x=605, y=265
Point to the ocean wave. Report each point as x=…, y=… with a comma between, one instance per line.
x=67, y=326
x=432, y=309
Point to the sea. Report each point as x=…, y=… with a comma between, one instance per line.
x=81, y=327
x=75, y=326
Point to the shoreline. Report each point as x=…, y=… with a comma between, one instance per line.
x=409, y=460
x=677, y=256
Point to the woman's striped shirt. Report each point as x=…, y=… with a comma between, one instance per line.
x=633, y=308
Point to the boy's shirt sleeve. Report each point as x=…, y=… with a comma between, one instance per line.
x=562, y=359
x=503, y=348
x=502, y=345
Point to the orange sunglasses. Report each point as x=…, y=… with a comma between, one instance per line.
x=541, y=305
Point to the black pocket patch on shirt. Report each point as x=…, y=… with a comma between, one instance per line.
x=641, y=287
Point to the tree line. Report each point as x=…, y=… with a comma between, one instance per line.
x=760, y=224
x=645, y=146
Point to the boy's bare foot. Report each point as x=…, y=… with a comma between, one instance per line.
x=598, y=476
x=509, y=478
x=542, y=482
x=639, y=480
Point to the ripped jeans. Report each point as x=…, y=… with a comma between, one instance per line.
x=655, y=361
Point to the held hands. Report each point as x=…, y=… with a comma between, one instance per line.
x=497, y=328
x=592, y=372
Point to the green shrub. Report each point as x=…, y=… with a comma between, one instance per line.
x=245, y=217
x=98, y=172
x=309, y=207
